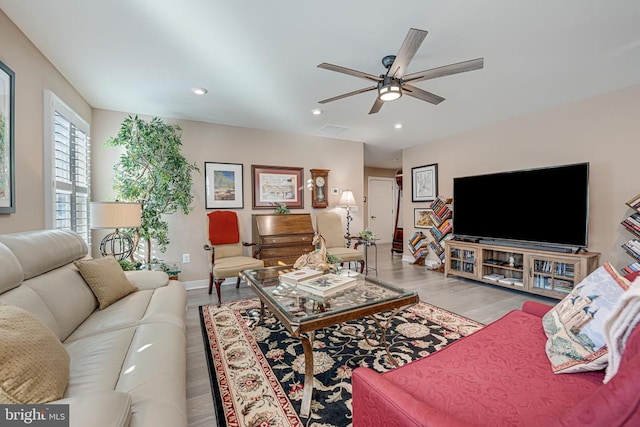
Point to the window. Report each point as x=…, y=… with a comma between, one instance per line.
x=67, y=160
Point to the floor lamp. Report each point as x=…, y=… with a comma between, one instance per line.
x=347, y=201
x=116, y=215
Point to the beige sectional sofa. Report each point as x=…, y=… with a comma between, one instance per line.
x=127, y=361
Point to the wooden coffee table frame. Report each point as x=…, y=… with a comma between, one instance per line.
x=305, y=329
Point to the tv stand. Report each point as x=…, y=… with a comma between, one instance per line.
x=525, y=245
x=533, y=270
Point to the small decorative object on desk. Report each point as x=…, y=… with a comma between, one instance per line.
x=327, y=284
x=366, y=234
x=298, y=276
x=281, y=209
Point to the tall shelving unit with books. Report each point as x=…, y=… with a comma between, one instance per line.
x=418, y=247
x=632, y=224
x=441, y=230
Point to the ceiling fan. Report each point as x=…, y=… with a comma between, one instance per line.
x=395, y=82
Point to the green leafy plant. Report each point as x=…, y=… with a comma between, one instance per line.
x=366, y=234
x=332, y=259
x=127, y=265
x=281, y=209
x=153, y=172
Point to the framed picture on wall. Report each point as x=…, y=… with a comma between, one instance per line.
x=422, y=218
x=223, y=185
x=7, y=155
x=274, y=185
x=424, y=183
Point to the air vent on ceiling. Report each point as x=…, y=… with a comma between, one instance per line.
x=331, y=130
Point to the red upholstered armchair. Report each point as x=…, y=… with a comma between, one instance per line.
x=227, y=256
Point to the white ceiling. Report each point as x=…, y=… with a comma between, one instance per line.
x=258, y=59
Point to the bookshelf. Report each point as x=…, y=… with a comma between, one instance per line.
x=534, y=271
x=632, y=224
x=418, y=247
x=441, y=231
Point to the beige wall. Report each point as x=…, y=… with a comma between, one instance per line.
x=217, y=143
x=34, y=74
x=603, y=130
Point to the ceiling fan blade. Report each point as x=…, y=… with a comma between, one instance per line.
x=349, y=71
x=423, y=95
x=344, y=95
x=377, y=105
x=447, y=70
x=407, y=51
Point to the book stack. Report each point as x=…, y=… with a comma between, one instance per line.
x=442, y=225
x=633, y=248
x=297, y=276
x=327, y=284
x=631, y=268
x=418, y=246
x=511, y=281
x=633, y=223
x=635, y=202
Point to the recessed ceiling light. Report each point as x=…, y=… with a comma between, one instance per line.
x=398, y=126
x=199, y=90
x=316, y=111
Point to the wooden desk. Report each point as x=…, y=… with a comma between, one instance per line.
x=283, y=238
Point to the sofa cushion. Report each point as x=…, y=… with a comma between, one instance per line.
x=100, y=409
x=499, y=375
x=106, y=279
x=35, y=365
x=575, y=326
x=44, y=250
x=12, y=274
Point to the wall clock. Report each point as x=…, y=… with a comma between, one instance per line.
x=319, y=190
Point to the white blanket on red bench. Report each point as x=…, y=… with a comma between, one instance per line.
x=624, y=317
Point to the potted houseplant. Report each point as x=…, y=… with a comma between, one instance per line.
x=153, y=172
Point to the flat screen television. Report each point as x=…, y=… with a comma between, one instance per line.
x=546, y=206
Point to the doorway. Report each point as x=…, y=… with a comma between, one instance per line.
x=381, y=207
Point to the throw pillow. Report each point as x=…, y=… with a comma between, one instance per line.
x=575, y=326
x=35, y=364
x=106, y=279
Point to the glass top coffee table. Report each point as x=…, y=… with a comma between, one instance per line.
x=303, y=313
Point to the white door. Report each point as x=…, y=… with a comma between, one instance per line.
x=382, y=207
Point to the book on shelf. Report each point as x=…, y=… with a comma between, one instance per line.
x=493, y=277
x=327, y=284
x=298, y=276
x=436, y=247
x=634, y=202
x=511, y=281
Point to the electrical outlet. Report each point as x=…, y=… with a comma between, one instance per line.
x=186, y=258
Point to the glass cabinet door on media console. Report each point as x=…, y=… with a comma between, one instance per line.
x=463, y=261
x=550, y=276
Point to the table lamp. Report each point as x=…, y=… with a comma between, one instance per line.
x=116, y=215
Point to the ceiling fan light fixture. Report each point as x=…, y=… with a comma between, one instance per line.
x=389, y=89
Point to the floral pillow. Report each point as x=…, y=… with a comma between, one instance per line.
x=575, y=326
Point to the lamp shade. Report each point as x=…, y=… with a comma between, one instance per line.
x=115, y=215
x=347, y=199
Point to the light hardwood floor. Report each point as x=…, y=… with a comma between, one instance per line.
x=480, y=302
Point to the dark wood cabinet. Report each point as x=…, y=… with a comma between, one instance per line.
x=283, y=238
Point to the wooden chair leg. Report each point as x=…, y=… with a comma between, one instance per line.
x=238, y=282
x=218, y=283
x=361, y=266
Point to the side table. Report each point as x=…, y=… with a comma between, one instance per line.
x=368, y=243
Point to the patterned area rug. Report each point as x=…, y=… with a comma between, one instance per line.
x=257, y=375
